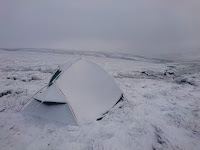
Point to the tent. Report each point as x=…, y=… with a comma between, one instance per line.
x=78, y=92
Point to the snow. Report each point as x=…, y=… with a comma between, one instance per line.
x=162, y=111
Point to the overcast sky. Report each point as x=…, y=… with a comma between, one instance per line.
x=101, y=25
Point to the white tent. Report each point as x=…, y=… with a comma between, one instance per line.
x=78, y=92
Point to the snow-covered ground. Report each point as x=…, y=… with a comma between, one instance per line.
x=162, y=111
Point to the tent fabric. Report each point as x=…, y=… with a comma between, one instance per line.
x=50, y=112
x=86, y=88
x=52, y=94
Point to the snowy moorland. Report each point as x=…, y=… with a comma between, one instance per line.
x=162, y=110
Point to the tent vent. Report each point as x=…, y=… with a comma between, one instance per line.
x=54, y=77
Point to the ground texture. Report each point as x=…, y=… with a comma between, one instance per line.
x=162, y=111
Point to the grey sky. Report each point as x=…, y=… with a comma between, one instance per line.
x=108, y=25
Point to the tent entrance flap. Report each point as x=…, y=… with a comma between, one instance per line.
x=50, y=112
x=51, y=94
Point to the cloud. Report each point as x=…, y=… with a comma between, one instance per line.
x=110, y=25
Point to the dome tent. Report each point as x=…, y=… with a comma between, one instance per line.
x=79, y=91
